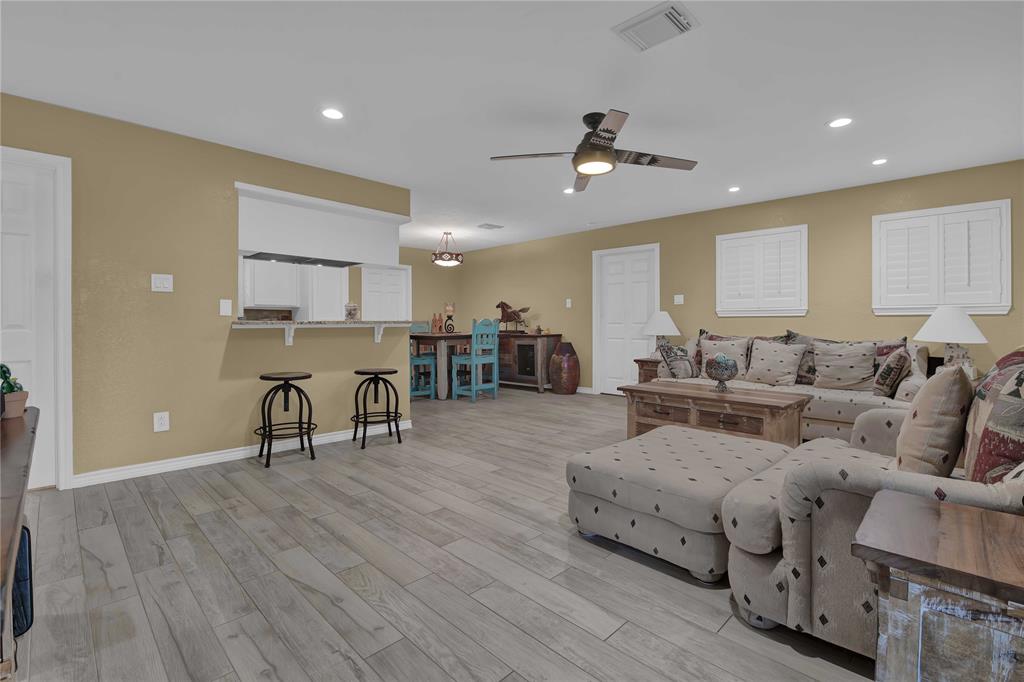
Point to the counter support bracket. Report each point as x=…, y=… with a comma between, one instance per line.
x=289, y=334
x=378, y=332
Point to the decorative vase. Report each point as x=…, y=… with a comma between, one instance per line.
x=721, y=368
x=14, y=404
x=564, y=369
x=351, y=312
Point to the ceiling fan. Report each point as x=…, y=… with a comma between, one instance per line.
x=596, y=153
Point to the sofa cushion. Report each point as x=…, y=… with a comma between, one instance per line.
x=849, y=366
x=698, y=352
x=751, y=509
x=774, y=363
x=805, y=375
x=933, y=430
x=735, y=349
x=995, y=425
x=895, y=368
x=677, y=359
x=672, y=472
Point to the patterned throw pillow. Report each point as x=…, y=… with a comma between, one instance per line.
x=849, y=366
x=933, y=430
x=733, y=348
x=995, y=426
x=698, y=356
x=774, y=363
x=894, y=369
x=805, y=375
x=677, y=359
x=885, y=348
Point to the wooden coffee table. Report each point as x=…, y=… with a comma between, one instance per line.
x=765, y=415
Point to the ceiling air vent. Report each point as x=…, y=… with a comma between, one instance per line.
x=490, y=226
x=656, y=25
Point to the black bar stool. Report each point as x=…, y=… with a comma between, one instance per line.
x=303, y=427
x=375, y=380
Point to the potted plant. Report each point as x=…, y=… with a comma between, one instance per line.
x=15, y=394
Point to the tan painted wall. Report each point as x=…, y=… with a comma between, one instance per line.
x=149, y=201
x=543, y=273
x=432, y=286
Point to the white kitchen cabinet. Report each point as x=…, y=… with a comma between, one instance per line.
x=323, y=292
x=266, y=284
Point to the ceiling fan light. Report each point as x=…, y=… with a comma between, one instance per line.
x=594, y=161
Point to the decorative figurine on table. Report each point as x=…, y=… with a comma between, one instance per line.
x=721, y=368
x=538, y=331
x=510, y=315
x=351, y=312
x=449, y=318
x=435, y=324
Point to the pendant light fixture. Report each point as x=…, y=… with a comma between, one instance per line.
x=447, y=254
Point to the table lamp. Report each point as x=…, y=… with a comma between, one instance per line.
x=660, y=325
x=952, y=326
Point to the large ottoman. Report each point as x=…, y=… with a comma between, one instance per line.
x=662, y=491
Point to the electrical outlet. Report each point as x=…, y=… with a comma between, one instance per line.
x=163, y=284
x=677, y=299
x=225, y=307
x=161, y=421
x=568, y=303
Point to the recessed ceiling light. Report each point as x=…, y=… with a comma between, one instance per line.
x=840, y=122
x=332, y=114
x=568, y=190
x=879, y=162
x=734, y=189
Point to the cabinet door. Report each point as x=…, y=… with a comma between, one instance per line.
x=326, y=294
x=274, y=284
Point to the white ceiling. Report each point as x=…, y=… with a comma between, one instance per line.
x=430, y=90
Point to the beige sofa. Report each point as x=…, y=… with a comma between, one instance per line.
x=791, y=528
x=831, y=412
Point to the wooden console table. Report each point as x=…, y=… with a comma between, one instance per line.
x=17, y=437
x=765, y=415
x=950, y=588
x=523, y=358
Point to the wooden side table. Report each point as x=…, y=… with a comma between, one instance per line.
x=647, y=369
x=950, y=588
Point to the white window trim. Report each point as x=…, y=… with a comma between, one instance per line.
x=798, y=311
x=1006, y=299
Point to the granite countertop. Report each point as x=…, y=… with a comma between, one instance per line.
x=316, y=323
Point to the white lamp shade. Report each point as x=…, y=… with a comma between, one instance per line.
x=661, y=324
x=950, y=324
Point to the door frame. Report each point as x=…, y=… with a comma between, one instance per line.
x=408, y=285
x=60, y=166
x=595, y=313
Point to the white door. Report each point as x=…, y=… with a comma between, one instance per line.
x=626, y=295
x=30, y=203
x=387, y=293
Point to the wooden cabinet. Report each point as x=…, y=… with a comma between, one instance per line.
x=523, y=358
x=266, y=284
x=647, y=369
x=950, y=588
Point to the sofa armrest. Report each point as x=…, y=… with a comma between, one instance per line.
x=803, y=497
x=877, y=430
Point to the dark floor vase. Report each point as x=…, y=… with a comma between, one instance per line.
x=564, y=369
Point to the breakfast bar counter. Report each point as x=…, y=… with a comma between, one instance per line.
x=289, y=326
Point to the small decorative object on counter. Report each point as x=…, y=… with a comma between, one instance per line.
x=435, y=324
x=721, y=368
x=351, y=311
x=449, y=318
x=510, y=315
x=15, y=395
x=564, y=369
x=538, y=331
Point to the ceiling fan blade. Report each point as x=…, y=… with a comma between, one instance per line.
x=645, y=159
x=608, y=129
x=581, y=182
x=545, y=155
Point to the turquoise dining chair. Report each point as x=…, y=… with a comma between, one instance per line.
x=483, y=351
x=422, y=366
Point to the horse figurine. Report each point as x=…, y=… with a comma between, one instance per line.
x=510, y=315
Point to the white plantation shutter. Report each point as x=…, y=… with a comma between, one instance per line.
x=762, y=273
x=955, y=255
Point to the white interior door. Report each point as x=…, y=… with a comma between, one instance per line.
x=387, y=293
x=30, y=203
x=626, y=294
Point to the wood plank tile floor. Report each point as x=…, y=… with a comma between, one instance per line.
x=448, y=557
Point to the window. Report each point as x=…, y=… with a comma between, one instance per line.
x=954, y=255
x=762, y=273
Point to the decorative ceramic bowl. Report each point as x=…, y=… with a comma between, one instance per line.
x=721, y=368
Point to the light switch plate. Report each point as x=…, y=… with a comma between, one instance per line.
x=163, y=284
x=677, y=299
x=568, y=303
x=161, y=421
x=225, y=307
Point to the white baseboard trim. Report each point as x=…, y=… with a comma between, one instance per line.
x=188, y=461
x=586, y=389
